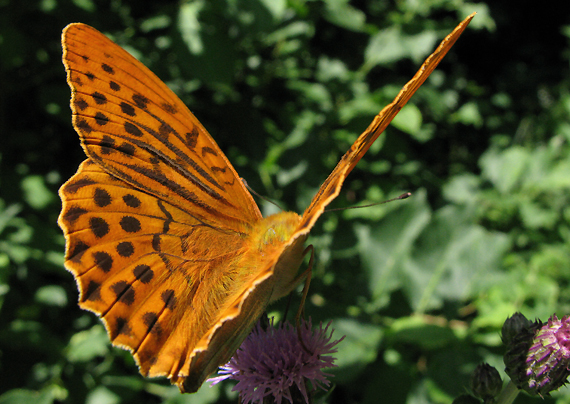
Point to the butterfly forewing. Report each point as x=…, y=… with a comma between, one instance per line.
x=332, y=185
x=135, y=127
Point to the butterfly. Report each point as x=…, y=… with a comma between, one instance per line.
x=166, y=244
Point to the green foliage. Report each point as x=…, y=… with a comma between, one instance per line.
x=419, y=287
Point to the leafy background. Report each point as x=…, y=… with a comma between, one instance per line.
x=419, y=287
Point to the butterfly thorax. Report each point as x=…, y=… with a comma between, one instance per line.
x=273, y=240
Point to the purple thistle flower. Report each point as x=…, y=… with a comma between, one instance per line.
x=538, y=358
x=274, y=362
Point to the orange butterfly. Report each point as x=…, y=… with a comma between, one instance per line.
x=166, y=244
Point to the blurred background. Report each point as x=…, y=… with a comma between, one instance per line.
x=419, y=287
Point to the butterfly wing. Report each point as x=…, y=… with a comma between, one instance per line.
x=332, y=185
x=148, y=269
x=138, y=130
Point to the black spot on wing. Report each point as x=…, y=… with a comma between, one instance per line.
x=140, y=100
x=101, y=119
x=127, y=149
x=208, y=150
x=107, y=68
x=92, y=293
x=83, y=126
x=143, y=273
x=76, y=251
x=107, y=143
x=124, y=292
x=127, y=109
x=130, y=224
x=99, y=227
x=121, y=326
x=125, y=249
x=150, y=320
x=156, y=242
x=73, y=187
x=101, y=197
x=80, y=104
x=169, y=299
x=73, y=213
x=132, y=129
x=103, y=261
x=192, y=138
x=99, y=98
x=171, y=109
x=131, y=201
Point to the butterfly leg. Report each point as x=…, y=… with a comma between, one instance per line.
x=307, y=275
x=301, y=311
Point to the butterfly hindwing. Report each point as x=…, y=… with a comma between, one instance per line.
x=148, y=269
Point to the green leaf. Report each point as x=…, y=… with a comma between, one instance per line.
x=535, y=216
x=386, y=246
x=468, y=114
x=36, y=194
x=24, y=396
x=52, y=295
x=390, y=45
x=289, y=31
x=505, y=169
x=384, y=47
x=417, y=331
x=358, y=348
x=86, y=345
x=341, y=13
x=102, y=395
x=451, y=257
x=277, y=8
x=189, y=26
x=409, y=120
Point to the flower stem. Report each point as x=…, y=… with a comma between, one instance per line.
x=508, y=394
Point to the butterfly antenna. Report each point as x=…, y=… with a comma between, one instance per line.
x=260, y=196
x=403, y=196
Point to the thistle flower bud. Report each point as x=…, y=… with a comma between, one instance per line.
x=538, y=357
x=486, y=383
x=513, y=326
